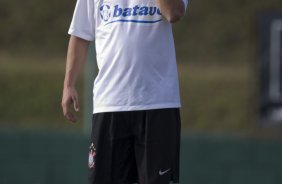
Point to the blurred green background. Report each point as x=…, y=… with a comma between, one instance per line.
x=217, y=53
x=216, y=46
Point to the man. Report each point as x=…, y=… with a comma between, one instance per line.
x=136, y=124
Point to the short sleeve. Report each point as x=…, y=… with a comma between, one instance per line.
x=186, y=4
x=83, y=20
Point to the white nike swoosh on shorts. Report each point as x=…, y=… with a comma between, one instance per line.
x=163, y=172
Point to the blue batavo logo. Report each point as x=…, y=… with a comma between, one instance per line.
x=126, y=14
x=105, y=12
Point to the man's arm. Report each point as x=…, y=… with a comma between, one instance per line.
x=172, y=10
x=76, y=56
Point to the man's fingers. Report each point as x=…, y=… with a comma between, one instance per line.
x=70, y=97
x=71, y=117
x=67, y=113
x=65, y=106
x=75, y=103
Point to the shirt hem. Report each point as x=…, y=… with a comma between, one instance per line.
x=80, y=35
x=135, y=108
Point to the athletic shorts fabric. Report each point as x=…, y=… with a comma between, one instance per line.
x=135, y=147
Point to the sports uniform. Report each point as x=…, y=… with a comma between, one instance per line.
x=136, y=93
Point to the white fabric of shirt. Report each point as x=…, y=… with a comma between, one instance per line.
x=135, y=54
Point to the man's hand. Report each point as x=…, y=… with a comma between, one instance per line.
x=172, y=10
x=70, y=98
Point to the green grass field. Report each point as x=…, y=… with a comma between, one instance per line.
x=215, y=97
x=218, y=97
x=31, y=92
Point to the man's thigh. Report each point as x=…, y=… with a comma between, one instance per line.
x=157, y=146
x=114, y=159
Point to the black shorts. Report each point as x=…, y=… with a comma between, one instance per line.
x=135, y=147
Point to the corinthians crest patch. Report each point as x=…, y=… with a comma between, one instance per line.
x=91, y=158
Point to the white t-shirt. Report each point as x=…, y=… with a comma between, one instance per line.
x=135, y=54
